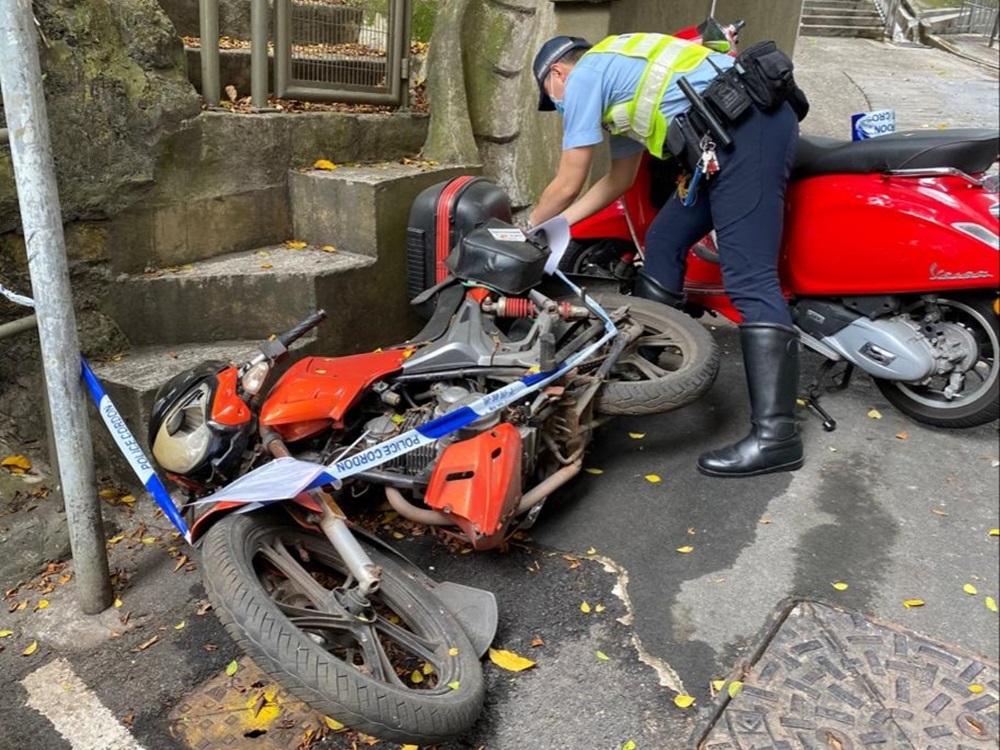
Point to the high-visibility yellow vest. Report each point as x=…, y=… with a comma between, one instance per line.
x=640, y=118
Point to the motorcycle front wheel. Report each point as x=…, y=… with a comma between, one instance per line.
x=401, y=670
x=672, y=363
x=978, y=400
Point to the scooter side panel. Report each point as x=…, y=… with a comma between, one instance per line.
x=870, y=234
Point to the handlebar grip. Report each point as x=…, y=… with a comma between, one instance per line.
x=300, y=329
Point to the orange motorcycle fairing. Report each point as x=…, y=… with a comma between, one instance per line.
x=227, y=406
x=320, y=390
x=477, y=482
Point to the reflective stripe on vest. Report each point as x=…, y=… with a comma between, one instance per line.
x=640, y=118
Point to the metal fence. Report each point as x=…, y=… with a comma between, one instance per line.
x=978, y=17
x=353, y=51
x=342, y=52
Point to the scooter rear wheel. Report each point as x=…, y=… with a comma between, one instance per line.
x=279, y=591
x=978, y=402
x=673, y=362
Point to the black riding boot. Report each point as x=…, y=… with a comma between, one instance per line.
x=649, y=288
x=771, y=357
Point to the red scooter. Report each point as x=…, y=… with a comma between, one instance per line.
x=889, y=261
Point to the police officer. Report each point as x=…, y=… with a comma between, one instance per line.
x=628, y=85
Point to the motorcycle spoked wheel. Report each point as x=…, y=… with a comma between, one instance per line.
x=979, y=401
x=672, y=363
x=274, y=587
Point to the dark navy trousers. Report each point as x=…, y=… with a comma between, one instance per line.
x=744, y=203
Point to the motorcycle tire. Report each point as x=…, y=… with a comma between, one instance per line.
x=674, y=362
x=973, y=406
x=246, y=560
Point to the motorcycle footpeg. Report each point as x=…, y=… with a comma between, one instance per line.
x=475, y=610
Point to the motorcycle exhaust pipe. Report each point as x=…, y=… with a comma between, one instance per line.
x=530, y=499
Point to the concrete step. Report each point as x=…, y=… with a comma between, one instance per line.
x=860, y=32
x=246, y=295
x=838, y=20
x=828, y=10
x=362, y=209
x=840, y=4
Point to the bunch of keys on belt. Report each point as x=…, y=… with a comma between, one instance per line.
x=709, y=163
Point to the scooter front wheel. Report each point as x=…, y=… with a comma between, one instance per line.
x=977, y=401
x=284, y=596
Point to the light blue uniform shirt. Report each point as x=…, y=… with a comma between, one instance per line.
x=601, y=79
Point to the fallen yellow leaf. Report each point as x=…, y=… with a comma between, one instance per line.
x=453, y=651
x=874, y=414
x=417, y=677
x=970, y=589
x=840, y=586
x=977, y=689
x=637, y=435
x=991, y=604
x=454, y=685
x=266, y=265
x=5, y=633
x=180, y=625
x=510, y=661
x=409, y=747
x=585, y=608
x=994, y=532
x=147, y=540
x=333, y=724
x=595, y=472
x=118, y=603
x=591, y=551
x=398, y=535
x=295, y=244
x=685, y=550
x=21, y=463
x=231, y=668
x=599, y=608
x=108, y=494
x=332, y=249
x=734, y=688
x=683, y=701
x=127, y=499
x=653, y=478
x=911, y=603
x=42, y=604
x=717, y=685
x=628, y=745
x=329, y=166
x=30, y=649
x=902, y=435
x=602, y=656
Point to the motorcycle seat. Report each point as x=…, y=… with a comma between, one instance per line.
x=971, y=150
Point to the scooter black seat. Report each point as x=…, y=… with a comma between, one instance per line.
x=971, y=150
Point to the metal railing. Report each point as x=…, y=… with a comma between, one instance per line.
x=978, y=17
x=324, y=51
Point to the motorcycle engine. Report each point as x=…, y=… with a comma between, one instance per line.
x=446, y=397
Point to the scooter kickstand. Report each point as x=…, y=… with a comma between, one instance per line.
x=814, y=391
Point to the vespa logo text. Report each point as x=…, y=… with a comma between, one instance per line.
x=939, y=274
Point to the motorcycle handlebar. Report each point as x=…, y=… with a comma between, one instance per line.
x=297, y=331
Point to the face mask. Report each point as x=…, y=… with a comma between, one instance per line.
x=560, y=105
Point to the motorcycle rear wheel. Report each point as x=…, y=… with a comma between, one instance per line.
x=979, y=401
x=673, y=363
x=275, y=588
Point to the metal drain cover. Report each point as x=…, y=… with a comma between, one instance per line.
x=829, y=679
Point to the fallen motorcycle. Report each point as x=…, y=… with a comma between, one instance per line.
x=469, y=427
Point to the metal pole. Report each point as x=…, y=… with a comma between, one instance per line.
x=258, y=53
x=210, y=87
x=17, y=326
x=34, y=174
x=996, y=29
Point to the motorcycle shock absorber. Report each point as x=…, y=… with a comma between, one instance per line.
x=519, y=307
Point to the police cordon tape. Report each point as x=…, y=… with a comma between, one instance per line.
x=122, y=436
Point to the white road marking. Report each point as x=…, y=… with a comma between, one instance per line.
x=74, y=710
